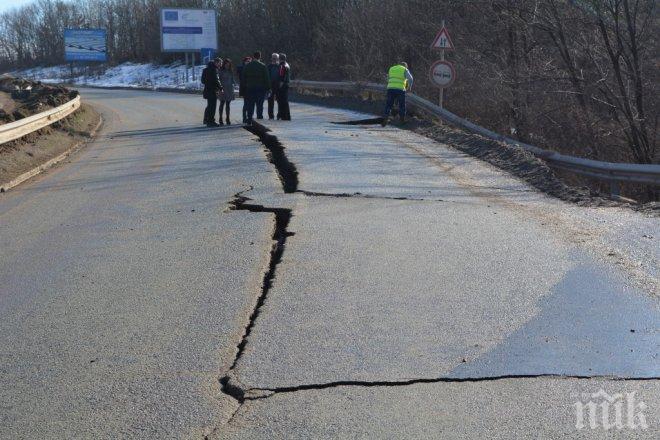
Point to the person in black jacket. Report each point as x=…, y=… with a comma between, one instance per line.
x=273, y=71
x=241, y=85
x=211, y=89
x=284, y=77
x=257, y=84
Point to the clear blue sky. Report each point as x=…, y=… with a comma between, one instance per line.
x=9, y=4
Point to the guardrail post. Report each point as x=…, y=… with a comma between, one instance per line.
x=615, y=188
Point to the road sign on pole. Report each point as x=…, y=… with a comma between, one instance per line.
x=443, y=74
x=207, y=54
x=443, y=40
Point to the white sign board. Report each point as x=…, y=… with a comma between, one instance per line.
x=443, y=40
x=188, y=30
x=443, y=74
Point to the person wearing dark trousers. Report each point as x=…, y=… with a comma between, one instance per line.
x=284, y=78
x=211, y=88
x=257, y=83
x=227, y=81
x=399, y=80
x=273, y=71
x=241, y=86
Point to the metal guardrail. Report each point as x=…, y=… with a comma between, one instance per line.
x=18, y=129
x=607, y=171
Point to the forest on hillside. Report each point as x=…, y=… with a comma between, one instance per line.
x=580, y=77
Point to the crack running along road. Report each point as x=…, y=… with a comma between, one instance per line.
x=289, y=178
x=322, y=386
x=232, y=386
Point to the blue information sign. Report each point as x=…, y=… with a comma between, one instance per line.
x=85, y=45
x=207, y=54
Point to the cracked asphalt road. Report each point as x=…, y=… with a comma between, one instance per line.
x=426, y=295
x=398, y=289
x=125, y=283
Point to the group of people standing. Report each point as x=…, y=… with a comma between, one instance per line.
x=257, y=82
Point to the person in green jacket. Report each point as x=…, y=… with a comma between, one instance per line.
x=399, y=79
x=257, y=83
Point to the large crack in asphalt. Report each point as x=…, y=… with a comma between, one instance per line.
x=280, y=234
x=365, y=196
x=289, y=179
x=230, y=384
x=265, y=393
x=369, y=121
x=276, y=155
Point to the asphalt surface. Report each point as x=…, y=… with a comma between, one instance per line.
x=417, y=293
x=125, y=285
x=426, y=295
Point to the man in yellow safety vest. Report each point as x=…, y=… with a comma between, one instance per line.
x=399, y=79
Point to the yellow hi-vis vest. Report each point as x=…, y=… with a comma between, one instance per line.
x=396, y=78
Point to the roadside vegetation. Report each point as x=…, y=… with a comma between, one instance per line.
x=578, y=76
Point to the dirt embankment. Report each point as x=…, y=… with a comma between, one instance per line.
x=35, y=149
x=20, y=98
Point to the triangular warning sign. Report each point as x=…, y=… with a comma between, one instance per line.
x=443, y=40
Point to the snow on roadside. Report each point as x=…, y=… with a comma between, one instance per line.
x=123, y=75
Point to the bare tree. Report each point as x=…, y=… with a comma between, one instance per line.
x=625, y=35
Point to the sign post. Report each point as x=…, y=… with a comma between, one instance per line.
x=442, y=72
x=186, y=66
x=193, y=66
x=441, y=96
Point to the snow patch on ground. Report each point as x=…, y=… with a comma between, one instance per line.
x=123, y=75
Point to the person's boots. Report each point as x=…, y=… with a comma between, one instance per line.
x=384, y=121
x=402, y=119
x=227, y=120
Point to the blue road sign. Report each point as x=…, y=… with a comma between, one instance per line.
x=85, y=45
x=207, y=54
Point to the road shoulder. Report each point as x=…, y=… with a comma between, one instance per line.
x=34, y=153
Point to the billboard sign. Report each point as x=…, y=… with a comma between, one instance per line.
x=85, y=45
x=188, y=30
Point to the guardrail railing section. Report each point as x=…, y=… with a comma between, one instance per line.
x=17, y=129
x=606, y=171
